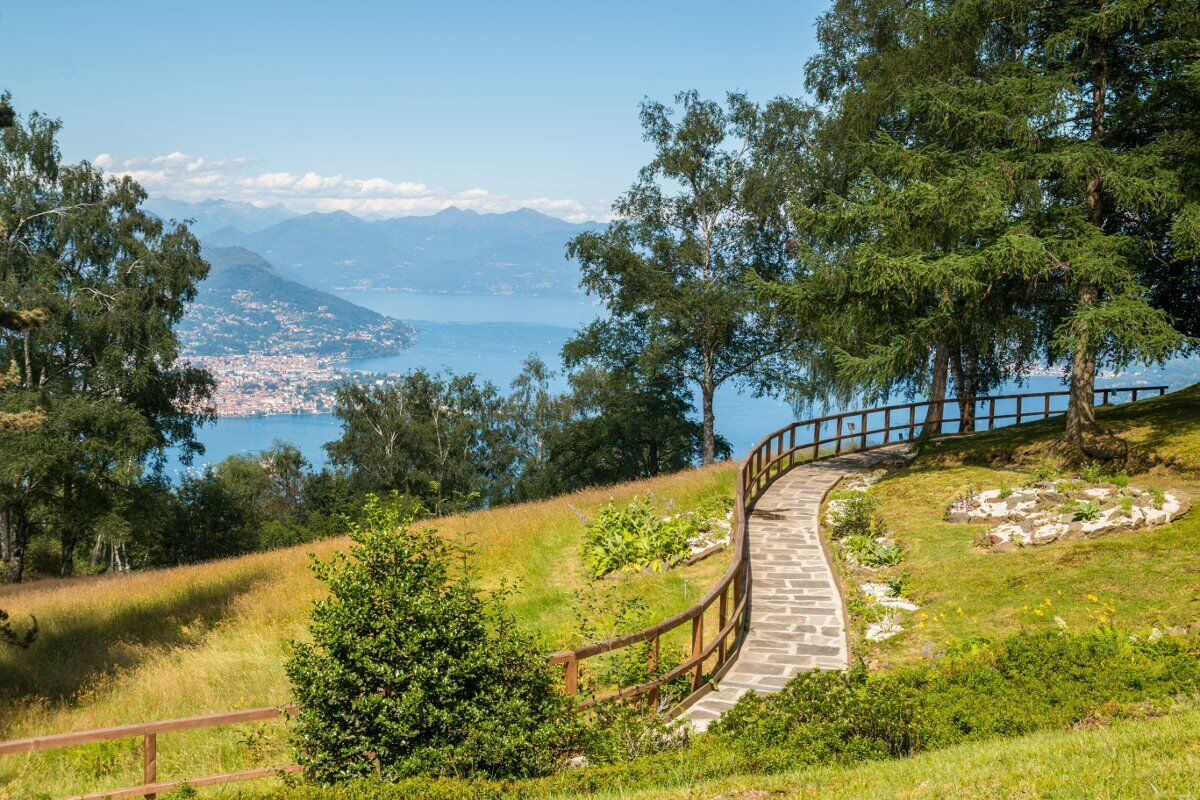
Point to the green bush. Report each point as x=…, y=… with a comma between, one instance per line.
x=638, y=537
x=1028, y=682
x=853, y=515
x=411, y=670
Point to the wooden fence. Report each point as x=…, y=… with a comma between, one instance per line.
x=799, y=442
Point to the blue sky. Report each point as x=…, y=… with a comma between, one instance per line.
x=386, y=107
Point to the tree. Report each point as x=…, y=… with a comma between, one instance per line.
x=411, y=670
x=671, y=267
x=104, y=366
x=1002, y=186
x=444, y=439
x=621, y=426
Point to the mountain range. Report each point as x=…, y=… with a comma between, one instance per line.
x=245, y=306
x=210, y=215
x=455, y=250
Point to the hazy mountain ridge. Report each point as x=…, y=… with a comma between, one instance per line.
x=245, y=306
x=212, y=215
x=458, y=251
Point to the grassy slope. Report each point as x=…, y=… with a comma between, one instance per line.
x=1139, y=580
x=212, y=637
x=1158, y=758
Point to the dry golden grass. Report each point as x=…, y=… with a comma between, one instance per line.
x=213, y=637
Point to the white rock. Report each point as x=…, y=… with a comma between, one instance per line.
x=1044, y=534
x=1097, y=491
x=886, y=628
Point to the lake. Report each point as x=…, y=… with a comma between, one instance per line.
x=492, y=335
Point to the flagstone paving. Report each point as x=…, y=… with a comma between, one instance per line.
x=797, y=617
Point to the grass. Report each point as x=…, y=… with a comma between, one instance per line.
x=1135, y=581
x=213, y=637
x=1154, y=758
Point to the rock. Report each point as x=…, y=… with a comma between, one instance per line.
x=1003, y=547
x=1155, y=635
x=932, y=651
x=1048, y=533
x=1178, y=630
x=886, y=628
x=1097, y=491
x=958, y=516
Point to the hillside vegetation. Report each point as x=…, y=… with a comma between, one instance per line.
x=212, y=637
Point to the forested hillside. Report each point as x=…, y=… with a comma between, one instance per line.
x=246, y=306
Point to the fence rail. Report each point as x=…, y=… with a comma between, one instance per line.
x=799, y=442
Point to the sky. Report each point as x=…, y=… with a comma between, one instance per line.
x=389, y=108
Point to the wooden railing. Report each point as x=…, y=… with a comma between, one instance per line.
x=149, y=731
x=799, y=442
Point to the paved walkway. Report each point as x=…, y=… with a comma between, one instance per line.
x=797, y=619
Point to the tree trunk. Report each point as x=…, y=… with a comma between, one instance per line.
x=710, y=436
x=708, y=387
x=937, y=393
x=1081, y=411
x=965, y=367
x=20, y=536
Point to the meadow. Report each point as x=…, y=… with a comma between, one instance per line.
x=214, y=637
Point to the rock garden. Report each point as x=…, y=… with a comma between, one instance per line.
x=870, y=557
x=1049, y=511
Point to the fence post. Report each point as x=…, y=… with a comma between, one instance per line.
x=1133, y=398
x=991, y=413
x=864, y=431
x=573, y=675
x=837, y=445
x=722, y=619
x=1020, y=397
x=652, y=670
x=1105, y=400
x=150, y=761
x=912, y=420
x=816, y=440
x=697, y=646
x=887, y=425
x=1047, y=414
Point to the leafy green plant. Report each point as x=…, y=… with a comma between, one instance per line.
x=853, y=514
x=871, y=553
x=1126, y=505
x=635, y=537
x=411, y=670
x=1158, y=498
x=1091, y=472
x=1120, y=480
x=1047, y=471
x=1068, y=486
x=1005, y=491
x=1081, y=511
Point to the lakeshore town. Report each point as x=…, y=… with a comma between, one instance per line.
x=260, y=385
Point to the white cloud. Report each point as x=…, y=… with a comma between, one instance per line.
x=191, y=177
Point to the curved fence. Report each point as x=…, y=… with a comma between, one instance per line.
x=802, y=442
x=799, y=442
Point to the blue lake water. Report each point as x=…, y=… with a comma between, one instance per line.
x=492, y=336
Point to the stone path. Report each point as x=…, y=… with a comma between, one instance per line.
x=797, y=619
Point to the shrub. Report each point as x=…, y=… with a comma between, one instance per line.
x=1120, y=480
x=411, y=670
x=872, y=553
x=1091, y=472
x=638, y=537
x=979, y=689
x=853, y=514
x=1157, y=498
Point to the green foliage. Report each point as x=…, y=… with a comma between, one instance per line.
x=1005, y=491
x=869, y=552
x=978, y=690
x=100, y=364
x=1120, y=480
x=1157, y=497
x=638, y=536
x=411, y=670
x=620, y=732
x=672, y=268
x=854, y=514
x=1091, y=472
